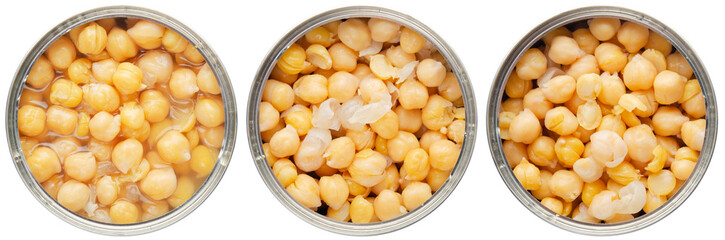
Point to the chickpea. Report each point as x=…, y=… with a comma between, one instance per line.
x=568, y=150
x=368, y=168
x=610, y=57
x=387, y=126
x=388, y=205
x=437, y=113
x=415, y=195
x=334, y=191
x=160, y=183
x=413, y=95
x=311, y=88
x=639, y=73
x=586, y=40
x=80, y=166
x=559, y=89
x=146, y=34
x=173, y=147
x=429, y=137
x=184, y=190
x=411, y=41
x=679, y=64
x=41, y=74
x=320, y=36
x=409, y=120
x=658, y=43
x=589, y=115
x=120, y=46
x=584, y=65
x=613, y=123
x=514, y=152
x=612, y=89
x=355, y=34
x=398, y=57
x=285, y=142
x=516, y=87
x=668, y=120
x=531, y=65
x=566, y=184
x=61, y=53
x=604, y=28
x=682, y=169
x=537, y=103
x=155, y=105
x=342, y=86
x=73, y=195
x=92, y=39
x=183, y=83
x=65, y=93
x=693, y=133
x=564, y=50
x=306, y=190
x=361, y=210
x=101, y=150
x=123, y=212
x=106, y=190
x=656, y=58
x=528, y=175
x=101, y=97
x=31, y=120
x=540, y=152
x=669, y=87
x=285, y=171
x=43, y=163
x=343, y=57
x=399, y=146
x=209, y=113
x=633, y=36
x=431, y=73
x=206, y=80
x=553, y=204
x=157, y=66
x=695, y=106
x=173, y=42
x=104, y=126
x=383, y=30
x=654, y=201
x=279, y=94
x=268, y=116
x=192, y=54
x=153, y=209
x=525, y=128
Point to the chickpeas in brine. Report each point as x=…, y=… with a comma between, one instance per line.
x=121, y=120
x=362, y=120
x=594, y=118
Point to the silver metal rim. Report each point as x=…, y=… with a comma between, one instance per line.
x=314, y=218
x=494, y=139
x=230, y=111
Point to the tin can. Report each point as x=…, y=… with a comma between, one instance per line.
x=315, y=218
x=227, y=93
x=496, y=95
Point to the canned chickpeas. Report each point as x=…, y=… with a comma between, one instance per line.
x=361, y=120
x=603, y=120
x=121, y=120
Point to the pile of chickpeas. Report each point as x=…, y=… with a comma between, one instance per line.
x=622, y=120
x=362, y=120
x=108, y=120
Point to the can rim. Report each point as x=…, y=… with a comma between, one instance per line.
x=496, y=94
x=317, y=219
x=175, y=214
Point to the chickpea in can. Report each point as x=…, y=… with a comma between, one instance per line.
x=364, y=120
x=121, y=119
x=595, y=116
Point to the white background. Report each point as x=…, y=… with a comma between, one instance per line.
x=243, y=33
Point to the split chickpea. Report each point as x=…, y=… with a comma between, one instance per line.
x=121, y=120
x=362, y=119
x=623, y=121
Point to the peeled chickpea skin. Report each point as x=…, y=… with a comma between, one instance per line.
x=622, y=140
x=109, y=127
x=384, y=127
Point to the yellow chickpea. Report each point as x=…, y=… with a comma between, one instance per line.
x=584, y=65
x=311, y=88
x=610, y=57
x=537, y=103
x=515, y=86
x=361, y=210
x=155, y=105
x=65, y=93
x=415, y=194
x=206, y=80
x=306, y=190
x=668, y=120
x=157, y=66
x=73, y=195
x=92, y=39
x=284, y=142
x=677, y=63
x=159, y=184
x=31, y=120
x=355, y=34
x=387, y=126
x=106, y=190
x=185, y=188
x=183, y=83
x=342, y=86
x=41, y=74
x=437, y=113
x=411, y=41
x=343, y=57
x=669, y=87
x=528, y=175
x=202, y=160
x=320, y=36
x=101, y=97
x=416, y=165
x=127, y=78
x=531, y=65
x=443, y=155
x=559, y=89
x=104, y=126
x=293, y=59
x=693, y=133
x=639, y=73
x=285, y=171
x=564, y=50
x=80, y=166
x=656, y=58
x=633, y=36
x=388, y=205
x=334, y=191
x=173, y=147
x=43, y=163
x=147, y=35
x=566, y=184
x=368, y=168
x=127, y=154
x=173, y=42
x=413, y=95
x=561, y=121
x=586, y=40
x=120, y=46
x=123, y=212
x=431, y=73
x=279, y=94
x=61, y=53
x=525, y=128
x=399, y=146
x=604, y=28
x=209, y=113
x=192, y=54
x=268, y=116
x=383, y=30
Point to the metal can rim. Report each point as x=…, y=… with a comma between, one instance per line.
x=324, y=222
x=172, y=216
x=524, y=196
